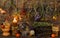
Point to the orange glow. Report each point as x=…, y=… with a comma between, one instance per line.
x=17, y=35
x=15, y=20
x=20, y=18
x=53, y=35
x=54, y=17
x=2, y=11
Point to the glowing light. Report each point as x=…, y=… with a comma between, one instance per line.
x=32, y=32
x=53, y=35
x=54, y=17
x=17, y=35
x=2, y=11
x=14, y=20
x=20, y=18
